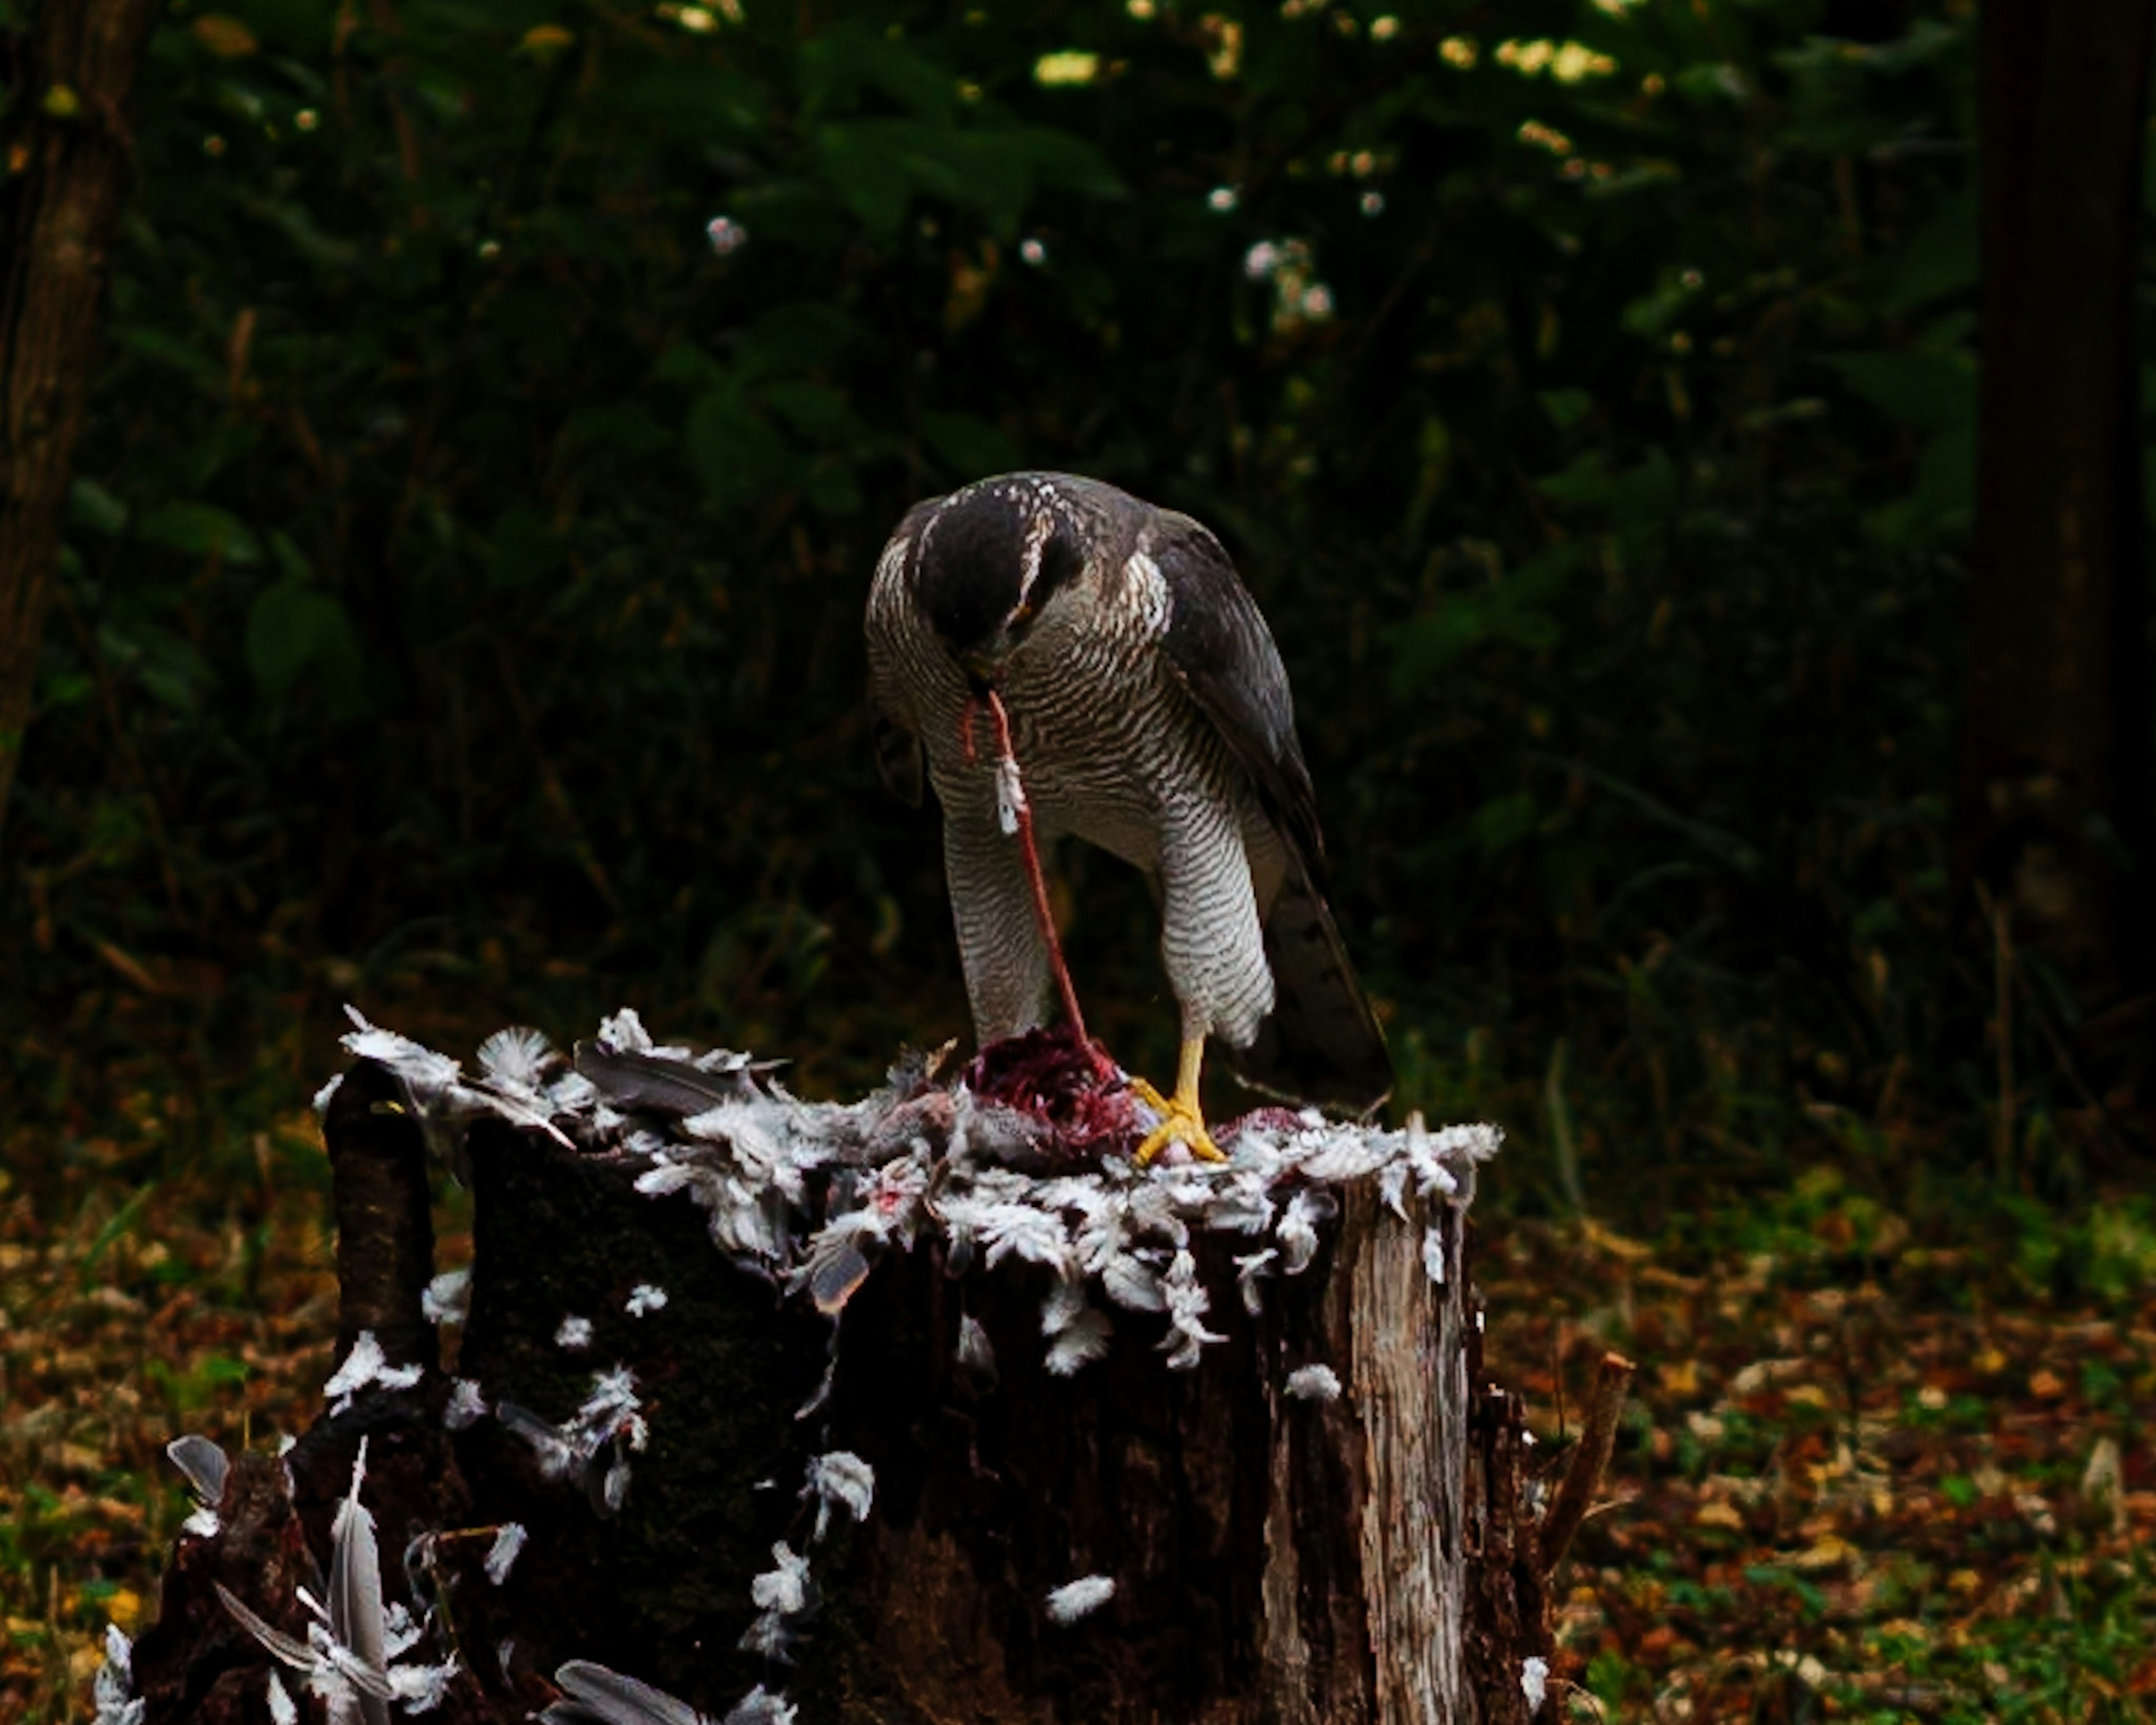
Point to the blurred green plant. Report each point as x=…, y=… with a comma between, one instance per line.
x=506, y=405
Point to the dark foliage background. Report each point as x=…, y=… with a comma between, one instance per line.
x=506, y=404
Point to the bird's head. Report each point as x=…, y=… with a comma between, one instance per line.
x=997, y=557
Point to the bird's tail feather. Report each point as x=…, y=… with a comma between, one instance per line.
x=1322, y=1043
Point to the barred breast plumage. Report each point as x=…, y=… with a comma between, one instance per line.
x=1151, y=717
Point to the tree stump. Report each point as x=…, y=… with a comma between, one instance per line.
x=957, y=1424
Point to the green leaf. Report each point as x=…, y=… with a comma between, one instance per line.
x=1930, y=391
x=1939, y=259
x=967, y=447
x=90, y=505
x=296, y=632
x=525, y=549
x=200, y=529
x=738, y=454
x=846, y=58
x=1565, y=408
x=802, y=337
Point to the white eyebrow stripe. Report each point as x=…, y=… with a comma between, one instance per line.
x=1039, y=529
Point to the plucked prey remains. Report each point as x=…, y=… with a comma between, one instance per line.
x=1151, y=716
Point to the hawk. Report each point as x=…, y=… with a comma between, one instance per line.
x=1150, y=715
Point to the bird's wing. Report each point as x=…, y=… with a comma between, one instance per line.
x=898, y=749
x=1322, y=1042
x=1218, y=642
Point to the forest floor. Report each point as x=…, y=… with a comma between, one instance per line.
x=1861, y=1478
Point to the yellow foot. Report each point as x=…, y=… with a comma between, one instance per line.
x=1182, y=1120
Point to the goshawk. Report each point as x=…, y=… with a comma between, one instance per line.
x=1150, y=715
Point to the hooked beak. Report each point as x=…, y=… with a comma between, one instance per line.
x=984, y=664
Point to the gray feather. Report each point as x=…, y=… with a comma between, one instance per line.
x=358, y=1621
x=657, y=1083
x=592, y=1693
x=1322, y=1043
x=204, y=1463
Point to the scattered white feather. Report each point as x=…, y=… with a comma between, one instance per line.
x=1010, y=796
x=447, y=1299
x=400, y=1633
x=1432, y=1253
x=784, y=1587
x=508, y=1543
x=283, y=1711
x=322, y=1100
x=1085, y=1341
x=1314, y=1384
x=466, y=1405
x=574, y=1334
x=113, y=1690
x=1187, y=1303
x=842, y=1478
x=975, y=1351
x=365, y=1365
x=426, y=1074
x=1534, y=1678
x=624, y=1032
x=759, y=1706
x=419, y=1688
x=1297, y=1233
x=645, y=1297
x=911, y=1165
x=517, y=1057
x=1074, y=1600
x=1132, y=1283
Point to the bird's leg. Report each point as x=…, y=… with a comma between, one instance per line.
x=1010, y=791
x=1182, y=1116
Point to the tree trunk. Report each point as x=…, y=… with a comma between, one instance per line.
x=1289, y=1545
x=68, y=148
x=2057, y=789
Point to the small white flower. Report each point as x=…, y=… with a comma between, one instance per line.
x=1314, y=1384
x=1534, y=1676
x=1222, y=198
x=643, y=1298
x=574, y=1334
x=1033, y=252
x=726, y=235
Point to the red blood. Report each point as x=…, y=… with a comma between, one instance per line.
x=1067, y=1083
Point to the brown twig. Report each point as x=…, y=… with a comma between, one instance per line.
x=1590, y=1456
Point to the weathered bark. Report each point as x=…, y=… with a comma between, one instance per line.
x=1276, y=1559
x=63, y=180
x=2056, y=791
